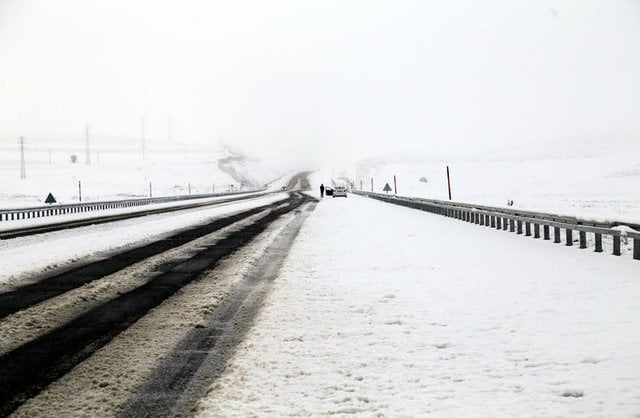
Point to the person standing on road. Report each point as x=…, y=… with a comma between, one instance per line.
x=321, y=191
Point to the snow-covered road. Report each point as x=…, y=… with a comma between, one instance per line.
x=87, y=350
x=23, y=258
x=379, y=310
x=384, y=310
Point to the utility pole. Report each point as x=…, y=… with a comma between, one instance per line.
x=87, y=148
x=23, y=171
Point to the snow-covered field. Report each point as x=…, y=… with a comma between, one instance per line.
x=602, y=185
x=386, y=311
x=117, y=170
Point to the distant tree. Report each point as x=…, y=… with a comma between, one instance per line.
x=74, y=158
x=423, y=179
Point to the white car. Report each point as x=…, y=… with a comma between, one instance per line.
x=339, y=191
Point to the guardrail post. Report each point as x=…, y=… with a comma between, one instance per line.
x=583, y=239
x=616, y=245
x=536, y=230
x=493, y=221
x=636, y=248
x=598, y=238
x=556, y=234
x=519, y=227
x=569, y=235
x=498, y=222
x=512, y=225
x=527, y=229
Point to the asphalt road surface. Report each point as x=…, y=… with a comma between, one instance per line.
x=145, y=332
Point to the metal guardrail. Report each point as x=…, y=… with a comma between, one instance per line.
x=524, y=222
x=57, y=209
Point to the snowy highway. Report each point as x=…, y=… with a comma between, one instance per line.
x=166, y=249
x=56, y=322
x=381, y=310
x=347, y=306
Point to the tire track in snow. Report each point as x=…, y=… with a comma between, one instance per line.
x=48, y=287
x=31, y=367
x=179, y=381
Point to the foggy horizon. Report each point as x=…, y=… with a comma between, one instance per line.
x=323, y=79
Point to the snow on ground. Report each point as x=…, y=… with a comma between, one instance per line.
x=600, y=187
x=24, y=257
x=117, y=171
x=386, y=311
x=383, y=310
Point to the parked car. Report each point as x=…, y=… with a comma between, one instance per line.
x=340, y=191
x=328, y=191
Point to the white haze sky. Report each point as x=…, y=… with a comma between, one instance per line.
x=327, y=77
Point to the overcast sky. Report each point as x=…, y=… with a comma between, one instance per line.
x=362, y=77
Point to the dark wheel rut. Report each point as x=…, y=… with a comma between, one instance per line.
x=29, y=368
x=48, y=287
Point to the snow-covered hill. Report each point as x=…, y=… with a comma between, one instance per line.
x=118, y=169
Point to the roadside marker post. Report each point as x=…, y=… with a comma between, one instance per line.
x=449, y=182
